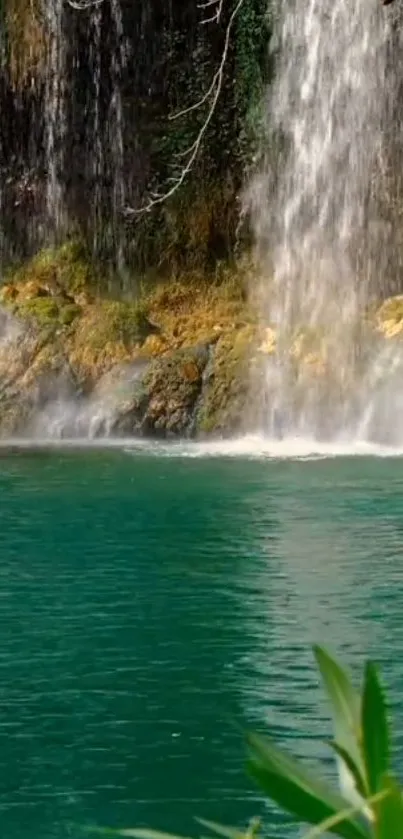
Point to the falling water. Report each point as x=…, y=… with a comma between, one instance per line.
x=314, y=212
x=97, y=160
x=104, y=160
x=55, y=114
x=118, y=65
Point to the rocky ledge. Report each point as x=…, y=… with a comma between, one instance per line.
x=184, y=359
x=74, y=362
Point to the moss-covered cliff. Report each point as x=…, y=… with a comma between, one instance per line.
x=184, y=358
x=174, y=361
x=87, y=99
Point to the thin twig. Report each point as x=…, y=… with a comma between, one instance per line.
x=216, y=17
x=80, y=5
x=195, y=104
x=214, y=92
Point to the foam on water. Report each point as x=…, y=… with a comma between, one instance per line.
x=293, y=448
x=248, y=446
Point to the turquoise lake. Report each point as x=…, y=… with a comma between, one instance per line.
x=152, y=606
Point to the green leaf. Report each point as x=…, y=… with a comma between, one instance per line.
x=374, y=729
x=233, y=832
x=223, y=830
x=389, y=811
x=345, y=706
x=145, y=833
x=351, y=766
x=332, y=821
x=289, y=784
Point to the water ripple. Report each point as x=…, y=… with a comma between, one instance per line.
x=150, y=607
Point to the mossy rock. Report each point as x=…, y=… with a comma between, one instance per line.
x=47, y=311
x=34, y=370
x=173, y=384
x=44, y=310
x=112, y=322
x=69, y=313
x=227, y=384
x=67, y=267
x=160, y=399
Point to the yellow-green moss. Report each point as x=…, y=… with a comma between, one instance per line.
x=56, y=290
x=69, y=313
x=48, y=311
x=114, y=321
x=44, y=310
x=190, y=310
x=228, y=382
x=67, y=267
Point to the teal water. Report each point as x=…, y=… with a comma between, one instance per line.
x=151, y=606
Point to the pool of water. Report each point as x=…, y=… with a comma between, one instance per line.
x=152, y=606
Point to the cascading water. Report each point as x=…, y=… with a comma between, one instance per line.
x=315, y=204
x=55, y=115
x=97, y=161
x=117, y=135
x=81, y=142
x=315, y=214
x=104, y=157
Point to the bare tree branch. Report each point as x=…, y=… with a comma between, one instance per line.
x=212, y=94
x=195, y=105
x=216, y=17
x=79, y=5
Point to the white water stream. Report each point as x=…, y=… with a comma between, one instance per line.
x=319, y=230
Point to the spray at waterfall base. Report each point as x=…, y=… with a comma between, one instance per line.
x=323, y=220
x=316, y=219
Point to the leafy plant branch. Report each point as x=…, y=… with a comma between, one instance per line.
x=369, y=803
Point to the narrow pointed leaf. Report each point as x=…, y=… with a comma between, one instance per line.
x=146, y=833
x=105, y=831
x=374, y=729
x=331, y=822
x=223, y=830
x=231, y=832
x=345, y=706
x=389, y=811
x=244, y=835
x=351, y=766
x=294, y=789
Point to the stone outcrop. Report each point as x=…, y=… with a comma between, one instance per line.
x=185, y=359
x=75, y=363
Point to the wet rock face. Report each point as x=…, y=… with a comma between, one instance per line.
x=110, y=372
x=75, y=363
x=171, y=396
x=33, y=373
x=163, y=400
x=187, y=393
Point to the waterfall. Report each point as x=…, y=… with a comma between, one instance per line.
x=97, y=160
x=118, y=65
x=55, y=115
x=104, y=154
x=84, y=138
x=318, y=231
